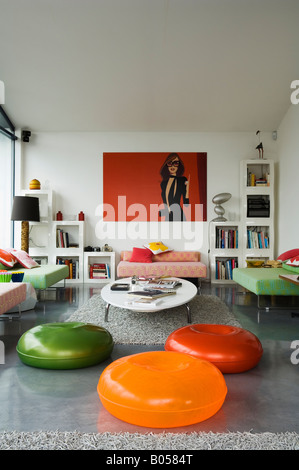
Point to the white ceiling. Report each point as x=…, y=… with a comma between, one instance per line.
x=148, y=65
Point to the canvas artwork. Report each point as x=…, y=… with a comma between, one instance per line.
x=155, y=186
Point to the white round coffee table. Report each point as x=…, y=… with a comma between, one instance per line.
x=184, y=293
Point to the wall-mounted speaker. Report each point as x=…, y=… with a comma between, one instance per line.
x=26, y=136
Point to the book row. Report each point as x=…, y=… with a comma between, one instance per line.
x=99, y=271
x=257, y=239
x=73, y=267
x=226, y=238
x=63, y=240
x=224, y=268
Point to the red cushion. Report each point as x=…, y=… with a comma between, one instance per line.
x=7, y=259
x=293, y=261
x=141, y=255
x=289, y=254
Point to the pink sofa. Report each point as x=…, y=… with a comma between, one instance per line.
x=11, y=294
x=182, y=264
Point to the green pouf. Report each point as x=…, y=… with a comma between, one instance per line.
x=70, y=345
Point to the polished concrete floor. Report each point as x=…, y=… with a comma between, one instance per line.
x=264, y=399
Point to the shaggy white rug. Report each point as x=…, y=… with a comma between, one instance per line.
x=136, y=441
x=127, y=327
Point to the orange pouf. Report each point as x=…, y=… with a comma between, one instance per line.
x=229, y=348
x=162, y=389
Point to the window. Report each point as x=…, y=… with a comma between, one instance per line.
x=7, y=159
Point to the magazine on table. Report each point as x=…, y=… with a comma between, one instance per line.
x=150, y=294
x=163, y=283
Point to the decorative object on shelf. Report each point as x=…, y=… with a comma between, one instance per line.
x=106, y=247
x=59, y=216
x=34, y=184
x=81, y=215
x=255, y=263
x=25, y=209
x=218, y=209
x=260, y=147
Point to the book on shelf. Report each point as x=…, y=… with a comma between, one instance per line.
x=257, y=239
x=63, y=240
x=73, y=265
x=226, y=238
x=224, y=268
x=150, y=294
x=99, y=271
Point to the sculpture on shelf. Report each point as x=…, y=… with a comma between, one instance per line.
x=218, y=209
x=260, y=147
x=106, y=247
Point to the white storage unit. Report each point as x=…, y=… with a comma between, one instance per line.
x=257, y=209
x=225, y=250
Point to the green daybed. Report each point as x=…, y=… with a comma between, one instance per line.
x=45, y=276
x=39, y=276
x=266, y=281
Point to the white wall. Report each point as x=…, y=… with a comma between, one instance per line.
x=287, y=233
x=71, y=165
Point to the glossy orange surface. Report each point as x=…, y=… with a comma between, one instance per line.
x=229, y=348
x=162, y=389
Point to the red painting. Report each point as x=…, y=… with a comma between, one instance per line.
x=159, y=186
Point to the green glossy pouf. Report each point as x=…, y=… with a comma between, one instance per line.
x=70, y=345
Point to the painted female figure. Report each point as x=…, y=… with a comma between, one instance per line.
x=174, y=188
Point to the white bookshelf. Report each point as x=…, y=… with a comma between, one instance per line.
x=43, y=245
x=257, y=209
x=71, y=252
x=225, y=250
x=99, y=257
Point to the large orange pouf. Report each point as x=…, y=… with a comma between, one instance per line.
x=229, y=348
x=162, y=389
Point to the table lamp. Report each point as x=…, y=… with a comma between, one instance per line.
x=25, y=209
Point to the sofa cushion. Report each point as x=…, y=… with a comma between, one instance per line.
x=141, y=255
x=175, y=269
x=6, y=259
x=191, y=256
x=24, y=259
x=293, y=261
x=157, y=247
x=175, y=256
x=288, y=254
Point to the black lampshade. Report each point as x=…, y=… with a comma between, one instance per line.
x=25, y=208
